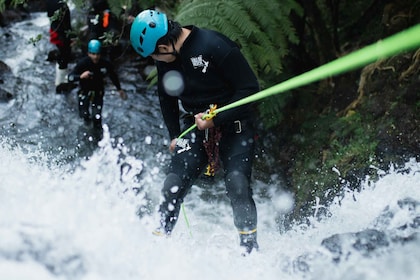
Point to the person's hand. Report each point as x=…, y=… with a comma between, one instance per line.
x=130, y=19
x=202, y=123
x=173, y=144
x=123, y=95
x=86, y=75
x=73, y=42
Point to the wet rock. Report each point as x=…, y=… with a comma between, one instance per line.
x=13, y=15
x=397, y=224
x=5, y=73
x=370, y=240
x=33, y=243
x=5, y=96
x=365, y=242
x=388, y=219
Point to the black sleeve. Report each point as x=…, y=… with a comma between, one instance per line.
x=170, y=111
x=74, y=75
x=113, y=75
x=59, y=13
x=242, y=80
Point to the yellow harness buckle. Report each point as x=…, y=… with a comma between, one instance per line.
x=210, y=113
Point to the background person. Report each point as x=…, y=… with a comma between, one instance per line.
x=60, y=35
x=104, y=26
x=91, y=72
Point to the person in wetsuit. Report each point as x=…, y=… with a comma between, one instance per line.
x=104, y=26
x=90, y=72
x=202, y=67
x=60, y=35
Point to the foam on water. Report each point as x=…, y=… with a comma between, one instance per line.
x=83, y=225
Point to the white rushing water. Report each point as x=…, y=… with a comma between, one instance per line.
x=83, y=225
x=67, y=222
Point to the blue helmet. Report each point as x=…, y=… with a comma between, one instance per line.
x=94, y=46
x=147, y=28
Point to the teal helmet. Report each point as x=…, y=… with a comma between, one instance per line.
x=94, y=46
x=147, y=28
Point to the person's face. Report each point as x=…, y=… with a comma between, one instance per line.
x=164, y=53
x=95, y=57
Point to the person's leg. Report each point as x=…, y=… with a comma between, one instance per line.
x=184, y=168
x=84, y=102
x=237, y=153
x=97, y=104
x=61, y=71
x=64, y=56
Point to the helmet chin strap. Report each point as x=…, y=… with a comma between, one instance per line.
x=174, y=52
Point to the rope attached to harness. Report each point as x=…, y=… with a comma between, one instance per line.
x=211, y=112
x=211, y=144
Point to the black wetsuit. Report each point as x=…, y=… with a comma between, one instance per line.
x=102, y=21
x=60, y=30
x=92, y=89
x=214, y=72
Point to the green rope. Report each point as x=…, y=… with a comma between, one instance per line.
x=186, y=219
x=186, y=131
x=403, y=41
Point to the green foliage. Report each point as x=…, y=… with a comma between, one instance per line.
x=152, y=77
x=270, y=109
x=353, y=142
x=82, y=4
x=345, y=144
x=109, y=39
x=10, y=4
x=34, y=40
x=57, y=16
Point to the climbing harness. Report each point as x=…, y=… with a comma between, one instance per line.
x=211, y=145
x=211, y=112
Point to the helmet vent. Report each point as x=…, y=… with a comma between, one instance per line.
x=142, y=37
x=152, y=24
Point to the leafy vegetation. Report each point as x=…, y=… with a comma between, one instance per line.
x=10, y=4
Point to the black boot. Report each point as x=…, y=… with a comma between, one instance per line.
x=167, y=222
x=249, y=241
x=170, y=207
x=161, y=231
x=165, y=228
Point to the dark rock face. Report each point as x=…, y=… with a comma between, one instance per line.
x=365, y=242
x=389, y=229
x=5, y=74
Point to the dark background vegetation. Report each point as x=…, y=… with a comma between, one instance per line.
x=324, y=137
